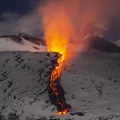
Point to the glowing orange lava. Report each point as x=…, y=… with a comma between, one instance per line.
x=53, y=86
x=58, y=32
x=59, y=46
x=63, y=112
x=57, y=43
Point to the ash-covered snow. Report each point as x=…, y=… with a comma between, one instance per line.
x=91, y=83
x=24, y=80
x=22, y=42
x=117, y=43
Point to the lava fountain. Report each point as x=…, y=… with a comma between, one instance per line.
x=58, y=31
x=64, y=22
x=57, y=43
x=55, y=90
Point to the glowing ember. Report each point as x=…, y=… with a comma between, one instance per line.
x=63, y=112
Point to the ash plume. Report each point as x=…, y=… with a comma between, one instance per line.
x=83, y=18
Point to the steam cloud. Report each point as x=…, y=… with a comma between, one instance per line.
x=12, y=23
x=83, y=18
x=87, y=18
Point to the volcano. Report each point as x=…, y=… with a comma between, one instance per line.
x=24, y=42
x=91, y=83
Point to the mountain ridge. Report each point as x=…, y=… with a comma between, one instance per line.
x=26, y=42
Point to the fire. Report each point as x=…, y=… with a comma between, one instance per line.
x=55, y=90
x=58, y=44
x=57, y=29
x=64, y=22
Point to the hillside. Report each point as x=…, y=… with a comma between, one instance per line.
x=24, y=80
x=91, y=83
x=22, y=42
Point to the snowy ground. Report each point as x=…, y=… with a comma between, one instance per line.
x=22, y=42
x=24, y=79
x=91, y=83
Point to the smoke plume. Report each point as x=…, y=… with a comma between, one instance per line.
x=80, y=19
x=13, y=23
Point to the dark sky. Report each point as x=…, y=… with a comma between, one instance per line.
x=26, y=18
x=17, y=6
x=24, y=7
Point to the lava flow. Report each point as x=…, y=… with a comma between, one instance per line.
x=58, y=31
x=57, y=38
x=56, y=92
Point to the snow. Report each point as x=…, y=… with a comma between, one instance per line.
x=91, y=83
x=8, y=44
x=24, y=79
x=117, y=43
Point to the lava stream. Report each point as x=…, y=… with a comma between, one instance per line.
x=56, y=92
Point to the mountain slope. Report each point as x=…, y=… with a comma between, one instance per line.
x=91, y=83
x=21, y=42
x=24, y=80
x=25, y=42
x=117, y=43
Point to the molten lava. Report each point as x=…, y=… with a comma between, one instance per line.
x=57, y=43
x=56, y=91
x=58, y=31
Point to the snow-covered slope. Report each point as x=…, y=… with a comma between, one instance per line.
x=24, y=79
x=91, y=83
x=21, y=42
x=117, y=43
x=25, y=42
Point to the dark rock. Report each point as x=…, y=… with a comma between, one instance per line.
x=13, y=116
x=77, y=113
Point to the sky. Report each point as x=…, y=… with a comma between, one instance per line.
x=18, y=6
x=19, y=16
x=22, y=16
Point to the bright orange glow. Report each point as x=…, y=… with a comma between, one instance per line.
x=63, y=112
x=57, y=27
x=57, y=35
x=54, y=77
x=67, y=21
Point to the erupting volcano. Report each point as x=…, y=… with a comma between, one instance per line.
x=58, y=31
x=57, y=38
x=57, y=44
x=55, y=90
